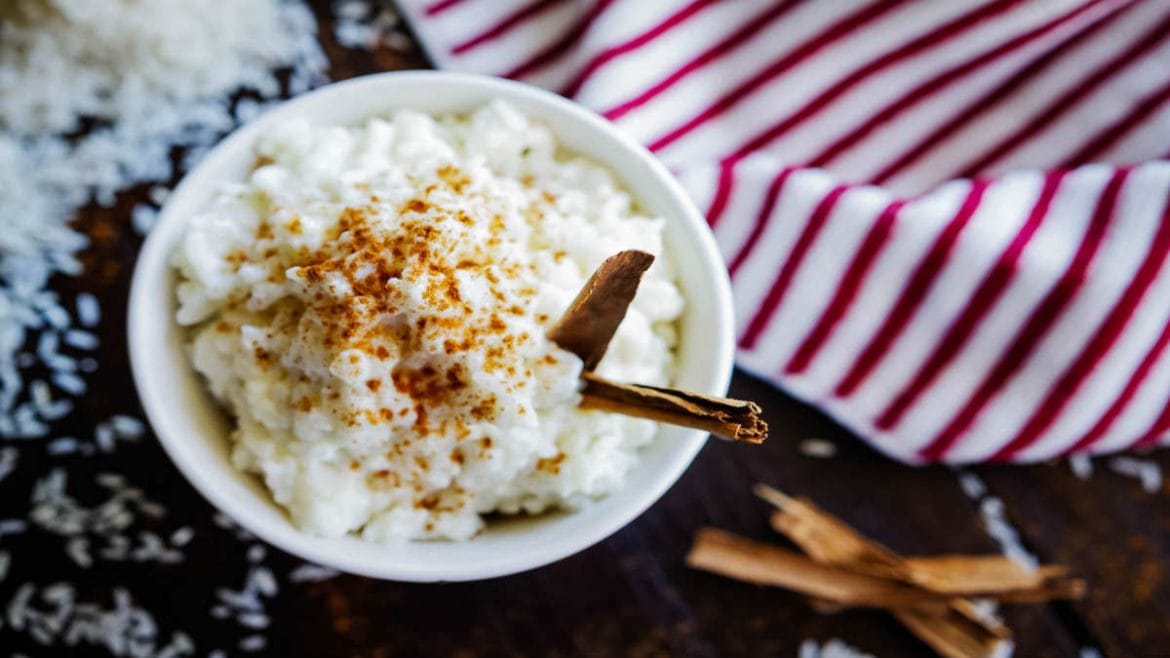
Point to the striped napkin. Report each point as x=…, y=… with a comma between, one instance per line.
x=946, y=222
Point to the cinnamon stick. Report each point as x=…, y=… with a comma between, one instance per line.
x=743, y=559
x=737, y=420
x=827, y=539
x=990, y=573
x=956, y=632
x=591, y=320
x=586, y=330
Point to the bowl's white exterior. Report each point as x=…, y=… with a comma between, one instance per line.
x=195, y=433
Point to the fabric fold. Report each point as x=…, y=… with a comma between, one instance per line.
x=946, y=223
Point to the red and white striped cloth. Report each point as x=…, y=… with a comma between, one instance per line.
x=1019, y=315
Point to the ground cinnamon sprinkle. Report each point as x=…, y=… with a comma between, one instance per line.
x=552, y=465
x=418, y=251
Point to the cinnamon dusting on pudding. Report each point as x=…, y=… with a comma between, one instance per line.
x=380, y=295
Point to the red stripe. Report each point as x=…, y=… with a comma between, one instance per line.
x=1156, y=431
x=762, y=218
x=1068, y=100
x=562, y=45
x=499, y=29
x=928, y=89
x=808, y=235
x=982, y=300
x=440, y=7
x=994, y=97
x=1103, y=340
x=1114, y=133
x=835, y=32
x=1038, y=324
x=610, y=54
x=935, y=37
x=925, y=275
x=749, y=28
x=847, y=289
x=1090, y=438
x=722, y=192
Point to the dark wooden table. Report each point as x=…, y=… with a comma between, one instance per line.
x=631, y=594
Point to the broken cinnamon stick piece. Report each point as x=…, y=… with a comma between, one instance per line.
x=957, y=632
x=743, y=559
x=951, y=573
x=953, y=635
x=591, y=320
x=829, y=540
x=738, y=420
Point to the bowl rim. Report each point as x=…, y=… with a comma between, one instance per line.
x=152, y=262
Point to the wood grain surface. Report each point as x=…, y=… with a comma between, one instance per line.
x=630, y=595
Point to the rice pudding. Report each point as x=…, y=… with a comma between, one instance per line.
x=371, y=306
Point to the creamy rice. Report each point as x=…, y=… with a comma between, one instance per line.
x=371, y=307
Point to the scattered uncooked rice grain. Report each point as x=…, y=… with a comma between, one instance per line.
x=972, y=486
x=1006, y=535
x=991, y=509
x=253, y=643
x=311, y=573
x=247, y=605
x=52, y=615
x=12, y=527
x=818, y=448
x=831, y=649
x=143, y=77
x=182, y=536
x=1082, y=466
x=365, y=25
x=256, y=553
x=8, y=458
x=1146, y=471
x=149, y=75
x=108, y=524
x=89, y=312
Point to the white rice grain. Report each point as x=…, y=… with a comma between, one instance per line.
x=1082, y=466
x=253, y=620
x=104, y=437
x=8, y=459
x=972, y=486
x=82, y=340
x=71, y=384
x=143, y=218
x=311, y=573
x=89, y=311
x=263, y=581
x=1008, y=538
x=818, y=448
x=256, y=553
x=63, y=62
x=182, y=536
x=1146, y=471
x=77, y=549
x=253, y=643
x=13, y=527
x=127, y=427
x=65, y=445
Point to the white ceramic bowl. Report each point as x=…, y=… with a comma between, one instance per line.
x=195, y=432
